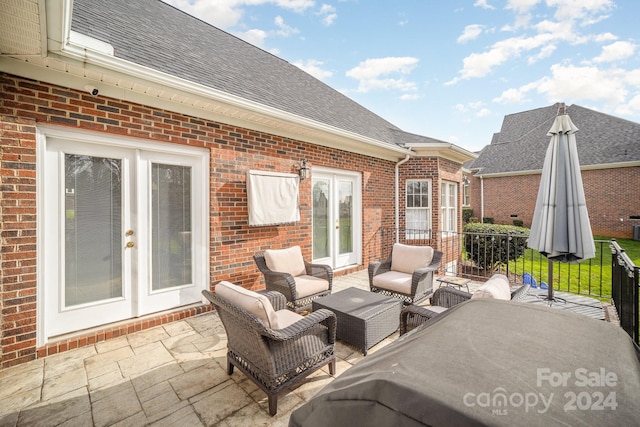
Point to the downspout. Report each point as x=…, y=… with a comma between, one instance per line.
x=481, y=198
x=397, y=203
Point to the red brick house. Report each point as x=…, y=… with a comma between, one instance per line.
x=504, y=179
x=127, y=131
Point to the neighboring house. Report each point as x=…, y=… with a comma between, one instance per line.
x=128, y=131
x=505, y=177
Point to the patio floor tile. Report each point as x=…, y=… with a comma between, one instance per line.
x=174, y=374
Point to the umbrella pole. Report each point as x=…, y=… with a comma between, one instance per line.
x=550, y=279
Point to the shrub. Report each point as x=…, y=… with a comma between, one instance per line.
x=489, y=245
x=518, y=222
x=467, y=214
x=487, y=220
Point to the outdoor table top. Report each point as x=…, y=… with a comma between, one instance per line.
x=565, y=301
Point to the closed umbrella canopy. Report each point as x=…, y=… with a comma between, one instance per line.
x=561, y=230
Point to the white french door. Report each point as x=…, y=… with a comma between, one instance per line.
x=124, y=231
x=337, y=217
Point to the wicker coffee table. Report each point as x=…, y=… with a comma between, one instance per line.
x=364, y=318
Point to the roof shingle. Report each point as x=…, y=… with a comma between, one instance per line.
x=156, y=35
x=522, y=141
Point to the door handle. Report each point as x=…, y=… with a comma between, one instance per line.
x=130, y=244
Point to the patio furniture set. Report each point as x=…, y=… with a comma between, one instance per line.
x=276, y=342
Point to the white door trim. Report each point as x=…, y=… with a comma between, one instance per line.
x=201, y=195
x=357, y=206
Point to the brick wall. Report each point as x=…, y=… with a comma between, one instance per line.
x=25, y=103
x=18, y=239
x=612, y=197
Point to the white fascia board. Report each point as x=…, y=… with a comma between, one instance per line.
x=442, y=149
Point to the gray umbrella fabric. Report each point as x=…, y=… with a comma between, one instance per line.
x=560, y=229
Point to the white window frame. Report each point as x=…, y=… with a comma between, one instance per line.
x=465, y=192
x=422, y=232
x=448, y=207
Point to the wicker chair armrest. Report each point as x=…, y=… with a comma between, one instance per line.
x=520, y=293
x=277, y=300
x=378, y=267
x=415, y=314
x=321, y=316
x=322, y=271
x=281, y=282
x=448, y=297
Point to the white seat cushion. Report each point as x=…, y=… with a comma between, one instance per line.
x=394, y=281
x=286, y=318
x=309, y=285
x=497, y=287
x=286, y=260
x=249, y=301
x=407, y=259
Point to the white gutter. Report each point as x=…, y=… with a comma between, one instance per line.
x=397, y=198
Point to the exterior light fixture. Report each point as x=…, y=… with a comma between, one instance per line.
x=304, y=170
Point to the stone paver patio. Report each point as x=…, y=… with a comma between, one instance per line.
x=169, y=375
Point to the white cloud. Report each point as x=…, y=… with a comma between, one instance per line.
x=409, y=96
x=586, y=12
x=616, y=51
x=313, y=67
x=510, y=96
x=284, y=30
x=328, y=14
x=605, y=37
x=255, y=37
x=227, y=13
x=483, y=4
x=470, y=32
x=372, y=73
x=522, y=6
x=545, y=52
x=571, y=83
x=484, y=112
x=476, y=107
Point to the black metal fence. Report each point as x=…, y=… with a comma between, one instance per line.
x=624, y=290
x=610, y=275
x=479, y=255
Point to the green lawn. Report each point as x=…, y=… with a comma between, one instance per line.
x=591, y=277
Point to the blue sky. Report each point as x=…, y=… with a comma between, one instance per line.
x=451, y=69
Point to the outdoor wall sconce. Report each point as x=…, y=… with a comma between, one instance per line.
x=304, y=170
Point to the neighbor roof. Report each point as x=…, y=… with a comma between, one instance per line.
x=522, y=141
x=153, y=34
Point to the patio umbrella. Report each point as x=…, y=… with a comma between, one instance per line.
x=560, y=229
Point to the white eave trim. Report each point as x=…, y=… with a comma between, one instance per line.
x=617, y=165
x=442, y=149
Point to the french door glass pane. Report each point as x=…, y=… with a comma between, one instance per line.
x=93, y=229
x=170, y=226
x=345, y=195
x=321, y=218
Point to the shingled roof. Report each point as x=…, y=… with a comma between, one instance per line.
x=153, y=34
x=521, y=144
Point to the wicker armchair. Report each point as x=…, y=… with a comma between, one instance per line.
x=413, y=316
x=274, y=359
x=301, y=282
x=399, y=279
